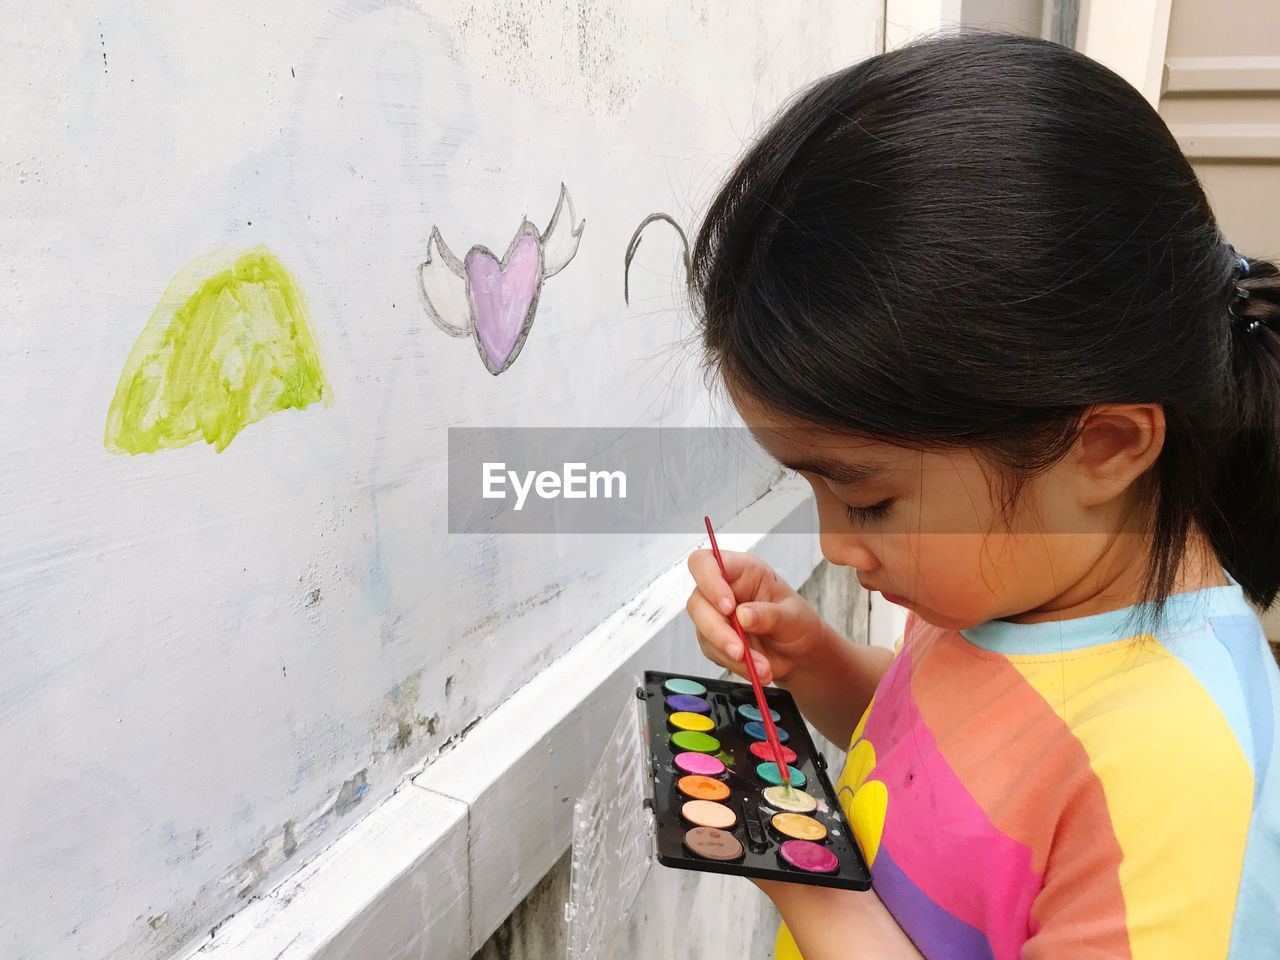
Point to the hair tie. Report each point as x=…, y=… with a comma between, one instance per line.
x=1240, y=270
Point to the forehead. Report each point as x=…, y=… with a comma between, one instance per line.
x=802, y=445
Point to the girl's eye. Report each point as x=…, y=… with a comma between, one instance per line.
x=865, y=514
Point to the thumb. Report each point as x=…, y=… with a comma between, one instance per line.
x=761, y=617
x=786, y=622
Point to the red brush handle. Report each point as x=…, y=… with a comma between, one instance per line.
x=770, y=730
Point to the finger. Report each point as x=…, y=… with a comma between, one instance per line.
x=737, y=665
x=720, y=642
x=764, y=669
x=743, y=573
x=787, y=623
x=714, y=628
x=713, y=654
x=731, y=659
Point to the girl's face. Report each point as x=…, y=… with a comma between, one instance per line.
x=929, y=531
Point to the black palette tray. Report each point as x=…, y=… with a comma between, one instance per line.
x=753, y=829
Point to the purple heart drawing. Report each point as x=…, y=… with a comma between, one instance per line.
x=493, y=301
x=504, y=296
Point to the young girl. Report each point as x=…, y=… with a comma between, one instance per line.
x=973, y=293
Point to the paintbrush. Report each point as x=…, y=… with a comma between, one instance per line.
x=765, y=714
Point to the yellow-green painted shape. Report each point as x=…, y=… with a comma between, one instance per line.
x=227, y=345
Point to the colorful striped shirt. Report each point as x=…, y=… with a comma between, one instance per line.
x=1074, y=790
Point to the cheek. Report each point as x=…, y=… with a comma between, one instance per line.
x=974, y=578
x=947, y=563
x=952, y=573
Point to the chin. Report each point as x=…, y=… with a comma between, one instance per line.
x=946, y=621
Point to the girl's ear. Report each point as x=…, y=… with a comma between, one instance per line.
x=1118, y=443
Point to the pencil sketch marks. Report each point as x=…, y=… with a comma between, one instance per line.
x=634, y=245
x=228, y=344
x=494, y=301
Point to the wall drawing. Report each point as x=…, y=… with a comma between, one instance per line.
x=634, y=245
x=494, y=301
x=228, y=344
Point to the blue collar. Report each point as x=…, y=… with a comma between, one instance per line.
x=1181, y=611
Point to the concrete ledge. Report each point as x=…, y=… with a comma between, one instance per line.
x=394, y=886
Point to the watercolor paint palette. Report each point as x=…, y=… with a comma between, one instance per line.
x=717, y=799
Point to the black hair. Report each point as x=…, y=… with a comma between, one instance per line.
x=972, y=239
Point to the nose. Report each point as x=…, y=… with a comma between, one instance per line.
x=846, y=549
x=840, y=545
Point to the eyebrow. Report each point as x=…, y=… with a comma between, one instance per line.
x=835, y=470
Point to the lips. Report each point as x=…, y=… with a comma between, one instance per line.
x=891, y=597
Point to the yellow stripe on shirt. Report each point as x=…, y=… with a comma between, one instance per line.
x=1179, y=789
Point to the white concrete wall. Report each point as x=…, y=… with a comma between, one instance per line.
x=1012, y=16
x=218, y=662
x=1129, y=36
x=906, y=20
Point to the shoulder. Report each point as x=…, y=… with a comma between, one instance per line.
x=1166, y=789
x=1228, y=659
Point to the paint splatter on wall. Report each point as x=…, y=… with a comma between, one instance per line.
x=228, y=344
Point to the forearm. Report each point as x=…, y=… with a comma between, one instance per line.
x=833, y=688
x=832, y=924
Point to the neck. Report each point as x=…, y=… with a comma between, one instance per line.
x=1115, y=581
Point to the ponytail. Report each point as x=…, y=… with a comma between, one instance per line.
x=1244, y=523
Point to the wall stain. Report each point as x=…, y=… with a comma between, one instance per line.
x=400, y=717
x=351, y=792
x=532, y=931
x=524, y=606
x=255, y=870
x=283, y=845
x=458, y=737
x=484, y=624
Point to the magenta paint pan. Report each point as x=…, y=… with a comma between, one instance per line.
x=809, y=856
x=713, y=807
x=701, y=763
